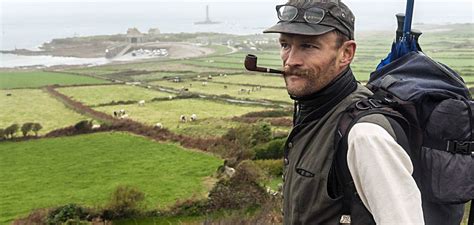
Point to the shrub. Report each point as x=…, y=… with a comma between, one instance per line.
x=269, y=113
x=2, y=134
x=262, y=132
x=125, y=202
x=189, y=207
x=83, y=126
x=36, y=127
x=273, y=167
x=65, y=213
x=25, y=128
x=271, y=150
x=240, y=191
x=11, y=130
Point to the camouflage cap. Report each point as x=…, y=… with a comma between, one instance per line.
x=337, y=16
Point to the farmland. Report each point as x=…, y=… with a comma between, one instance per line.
x=95, y=95
x=86, y=169
x=213, y=117
x=33, y=105
x=38, y=79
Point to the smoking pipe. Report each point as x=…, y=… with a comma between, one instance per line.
x=251, y=65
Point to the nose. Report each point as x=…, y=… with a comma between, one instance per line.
x=293, y=58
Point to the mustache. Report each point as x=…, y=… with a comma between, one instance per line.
x=297, y=72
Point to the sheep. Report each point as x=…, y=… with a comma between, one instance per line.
x=141, y=103
x=204, y=83
x=182, y=118
x=243, y=91
x=229, y=171
x=193, y=117
x=170, y=97
x=119, y=113
x=95, y=126
x=124, y=116
x=159, y=125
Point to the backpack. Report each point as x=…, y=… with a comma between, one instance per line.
x=433, y=107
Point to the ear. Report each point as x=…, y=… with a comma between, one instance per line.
x=346, y=53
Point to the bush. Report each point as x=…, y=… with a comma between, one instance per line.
x=271, y=150
x=269, y=113
x=262, y=133
x=273, y=167
x=65, y=213
x=36, y=127
x=125, y=202
x=240, y=191
x=2, y=134
x=25, y=128
x=189, y=207
x=11, y=130
x=83, y=126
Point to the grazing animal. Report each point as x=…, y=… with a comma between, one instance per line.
x=141, y=103
x=204, y=83
x=170, y=97
x=182, y=118
x=193, y=117
x=96, y=126
x=159, y=125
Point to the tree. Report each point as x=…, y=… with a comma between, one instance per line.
x=36, y=127
x=2, y=134
x=11, y=130
x=26, y=128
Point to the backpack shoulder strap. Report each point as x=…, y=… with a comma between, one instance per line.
x=365, y=110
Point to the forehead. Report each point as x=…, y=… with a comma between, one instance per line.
x=328, y=37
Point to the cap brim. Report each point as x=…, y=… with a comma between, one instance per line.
x=299, y=28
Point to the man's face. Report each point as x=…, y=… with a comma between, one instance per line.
x=310, y=62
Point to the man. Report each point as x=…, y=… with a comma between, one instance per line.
x=317, y=47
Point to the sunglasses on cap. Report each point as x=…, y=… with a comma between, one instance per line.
x=312, y=15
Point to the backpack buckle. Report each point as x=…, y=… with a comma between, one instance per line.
x=368, y=104
x=345, y=219
x=461, y=147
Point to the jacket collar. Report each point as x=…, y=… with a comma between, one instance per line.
x=314, y=106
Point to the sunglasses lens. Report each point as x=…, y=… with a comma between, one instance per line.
x=287, y=13
x=314, y=15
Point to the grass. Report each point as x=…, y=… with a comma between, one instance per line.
x=32, y=105
x=94, y=95
x=50, y=172
x=272, y=94
x=212, y=116
x=245, y=79
x=38, y=79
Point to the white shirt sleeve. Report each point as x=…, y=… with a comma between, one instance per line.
x=381, y=170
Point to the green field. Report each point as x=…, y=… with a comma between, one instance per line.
x=272, y=94
x=33, y=105
x=86, y=169
x=94, y=95
x=271, y=81
x=212, y=116
x=38, y=79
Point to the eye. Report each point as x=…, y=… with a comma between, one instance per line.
x=308, y=46
x=284, y=45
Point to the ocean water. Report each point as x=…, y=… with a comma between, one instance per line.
x=29, y=24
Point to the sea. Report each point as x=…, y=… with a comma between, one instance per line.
x=29, y=24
